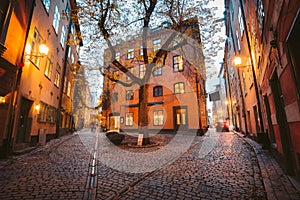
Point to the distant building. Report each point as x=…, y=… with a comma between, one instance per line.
x=176, y=94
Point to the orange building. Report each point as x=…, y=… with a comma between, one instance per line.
x=176, y=88
x=41, y=107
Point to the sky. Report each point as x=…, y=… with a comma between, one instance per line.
x=211, y=82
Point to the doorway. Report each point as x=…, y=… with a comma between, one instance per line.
x=180, y=118
x=287, y=146
x=24, y=122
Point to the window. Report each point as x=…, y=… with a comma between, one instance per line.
x=35, y=48
x=47, y=4
x=69, y=89
x=63, y=36
x=156, y=44
x=157, y=70
x=260, y=15
x=56, y=18
x=141, y=51
x=67, y=11
x=65, y=86
x=130, y=53
x=131, y=69
x=142, y=70
x=177, y=63
x=157, y=91
x=129, y=95
x=114, y=97
x=237, y=40
x=48, y=67
x=179, y=88
x=241, y=21
x=158, y=118
x=57, y=76
x=47, y=113
x=129, y=119
x=118, y=56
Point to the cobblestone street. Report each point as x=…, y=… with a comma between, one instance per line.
x=214, y=166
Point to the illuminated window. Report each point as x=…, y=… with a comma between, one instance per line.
x=129, y=119
x=179, y=88
x=48, y=67
x=36, y=41
x=69, y=89
x=158, y=118
x=142, y=70
x=57, y=76
x=177, y=63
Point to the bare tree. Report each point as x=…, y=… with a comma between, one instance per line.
x=112, y=17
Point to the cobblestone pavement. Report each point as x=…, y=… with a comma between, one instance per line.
x=217, y=166
x=214, y=166
x=56, y=171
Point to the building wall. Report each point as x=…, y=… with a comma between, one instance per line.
x=281, y=16
x=268, y=42
x=14, y=22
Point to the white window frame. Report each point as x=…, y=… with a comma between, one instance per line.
x=130, y=53
x=48, y=67
x=241, y=21
x=47, y=4
x=63, y=36
x=156, y=44
x=177, y=63
x=142, y=70
x=158, y=118
x=57, y=76
x=129, y=119
x=179, y=88
x=56, y=19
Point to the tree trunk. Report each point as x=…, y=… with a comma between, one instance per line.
x=143, y=113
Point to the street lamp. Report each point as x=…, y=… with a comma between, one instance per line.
x=43, y=51
x=237, y=62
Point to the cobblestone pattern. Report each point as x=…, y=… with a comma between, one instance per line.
x=229, y=171
x=51, y=172
x=277, y=184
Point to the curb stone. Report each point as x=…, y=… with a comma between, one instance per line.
x=277, y=184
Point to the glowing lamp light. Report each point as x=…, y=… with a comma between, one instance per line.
x=37, y=108
x=43, y=49
x=27, y=48
x=237, y=61
x=2, y=100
